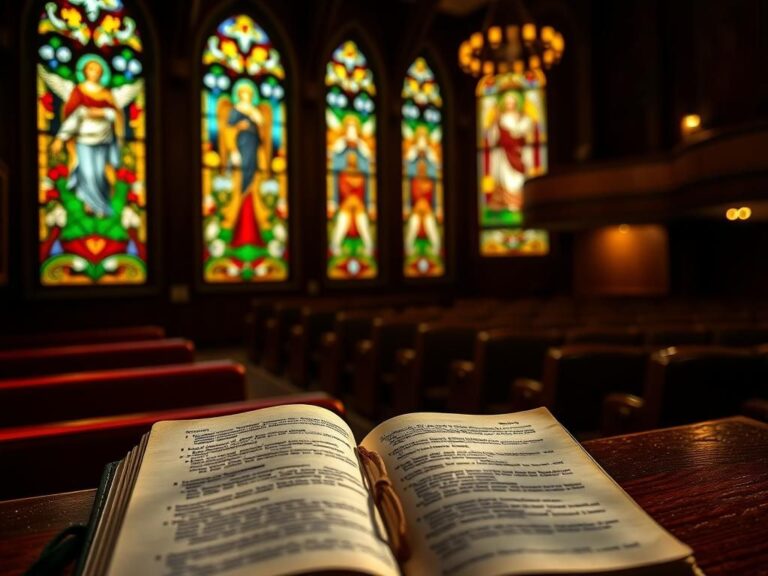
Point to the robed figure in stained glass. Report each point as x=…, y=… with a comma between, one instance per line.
x=351, y=165
x=422, y=173
x=92, y=119
x=422, y=223
x=351, y=161
x=245, y=142
x=512, y=147
x=506, y=132
x=421, y=168
x=244, y=152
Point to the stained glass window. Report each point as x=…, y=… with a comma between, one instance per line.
x=351, y=165
x=91, y=144
x=512, y=146
x=244, y=180
x=423, y=210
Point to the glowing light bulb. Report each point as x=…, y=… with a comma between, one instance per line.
x=745, y=213
x=690, y=124
x=494, y=36
x=558, y=43
x=732, y=214
x=692, y=121
x=529, y=32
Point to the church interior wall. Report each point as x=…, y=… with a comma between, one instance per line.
x=628, y=76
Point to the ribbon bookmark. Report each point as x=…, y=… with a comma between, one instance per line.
x=387, y=501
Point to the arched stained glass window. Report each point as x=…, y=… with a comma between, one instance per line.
x=91, y=144
x=423, y=206
x=512, y=146
x=244, y=179
x=351, y=165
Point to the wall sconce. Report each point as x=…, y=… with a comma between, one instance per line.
x=743, y=213
x=690, y=124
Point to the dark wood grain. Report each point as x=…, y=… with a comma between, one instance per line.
x=706, y=483
x=28, y=524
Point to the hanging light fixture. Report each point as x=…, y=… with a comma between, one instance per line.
x=510, y=41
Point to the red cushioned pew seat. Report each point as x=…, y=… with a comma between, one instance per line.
x=96, y=336
x=70, y=455
x=89, y=357
x=40, y=399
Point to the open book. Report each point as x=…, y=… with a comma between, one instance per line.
x=286, y=490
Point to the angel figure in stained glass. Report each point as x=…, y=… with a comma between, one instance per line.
x=245, y=145
x=92, y=119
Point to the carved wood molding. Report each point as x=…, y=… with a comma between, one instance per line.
x=716, y=168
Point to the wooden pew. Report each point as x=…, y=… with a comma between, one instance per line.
x=67, y=359
x=374, y=363
x=611, y=335
x=96, y=336
x=602, y=312
x=255, y=328
x=268, y=320
x=71, y=455
x=501, y=356
x=278, y=333
x=337, y=349
x=422, y=372
x=741, y=336
x=40, y=399
x=684, y=334
x=258, y=317
x=304, y=352
x=576, y=380
x=756, y=408
x=684, y=384
x=556, y=313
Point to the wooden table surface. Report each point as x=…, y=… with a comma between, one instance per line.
x=28, y=524
x=706, y=483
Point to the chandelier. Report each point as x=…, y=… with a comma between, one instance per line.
x=510, y=42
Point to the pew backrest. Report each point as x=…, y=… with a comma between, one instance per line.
x=66, y=456
x=39, y=399
x=502, y=356
x=84, y=358
x=578, y=377
x=96, y=336
x=691, y=383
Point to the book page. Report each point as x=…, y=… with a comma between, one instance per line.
x=511, y=494
x=273, y=491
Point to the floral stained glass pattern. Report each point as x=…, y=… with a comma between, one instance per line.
x=91, y=145
x=351, y=165
x=244, y=179
x=423, y=207
x=512, y=146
